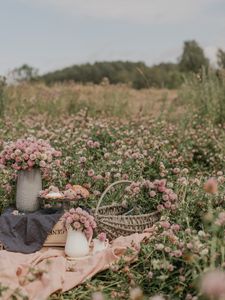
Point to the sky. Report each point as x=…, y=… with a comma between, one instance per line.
x=52, y=34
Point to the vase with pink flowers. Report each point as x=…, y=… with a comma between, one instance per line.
x=27, y=157
x=80, y=225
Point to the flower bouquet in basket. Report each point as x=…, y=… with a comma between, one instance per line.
x=27, y=157
x=80, y=226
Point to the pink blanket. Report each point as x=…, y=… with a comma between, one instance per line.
x=40, y=274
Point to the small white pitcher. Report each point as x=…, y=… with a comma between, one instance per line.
x=77, y=244
x=99, y=245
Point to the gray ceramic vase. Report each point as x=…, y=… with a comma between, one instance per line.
x=29, y=184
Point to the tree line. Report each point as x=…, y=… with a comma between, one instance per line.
x=137, y=74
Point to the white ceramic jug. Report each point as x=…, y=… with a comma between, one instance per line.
x=77, y=244
x=99, y=245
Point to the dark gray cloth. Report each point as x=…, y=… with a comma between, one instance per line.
x=27, y=233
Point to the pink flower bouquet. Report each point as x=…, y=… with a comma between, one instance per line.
x=29, y=153
x=79, y=219
x=102, y=237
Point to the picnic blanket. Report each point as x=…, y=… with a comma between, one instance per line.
x=26, y=233
x=40, y=274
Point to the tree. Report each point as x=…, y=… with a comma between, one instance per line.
x=136, y=74
x=221, y=58
x=24, y=73
x=192, y=58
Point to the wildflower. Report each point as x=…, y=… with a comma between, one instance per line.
x=57, y=162
x=201, y=233
x=86, y=224
x=167, y=204
x=97, y=193
x=211, y=186
x=106, y=155
x=185, y=171
x=161, y=189
x=42, y=164
x=125, y=176
x=188, y=230
x=136, y=294
x=152, y=194
x=170, y=268
x=165, y=197
x=220, y=221
x=135, y=155
x=159, y=246
x=107, y=175
x=183, y=181
x=182, y=278
x=8, y=188
x=219, y=173
x=102, y=236
x=175, y=227
x=177, y=253
x=213, y=284
x=90, y=144
x=83, y=219
x=30, y=163
x=221, y=179
x=165, y=224
x=176, y=170
x=172, y=197
x=28, y=151
x=136, y=190
x=18, y=152
x=96, y=144
x=167, y=249
x=32, y=156
x=25, y=156
x=204, y=252
x=117, y=175
x=189, y=245
x=91, y=173
x=97, y=296
x=160, y=207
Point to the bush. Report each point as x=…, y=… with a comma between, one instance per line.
x=137, y=73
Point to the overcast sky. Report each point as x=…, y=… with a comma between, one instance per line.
x=51, y=34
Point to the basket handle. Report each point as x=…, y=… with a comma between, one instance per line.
x=106, y=191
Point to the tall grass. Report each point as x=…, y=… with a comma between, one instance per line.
x=2, y=96
x=69, y=98
x=204, y=95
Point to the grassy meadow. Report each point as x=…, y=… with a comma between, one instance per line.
x=169, y=138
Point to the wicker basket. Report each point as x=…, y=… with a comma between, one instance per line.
x=113, y=220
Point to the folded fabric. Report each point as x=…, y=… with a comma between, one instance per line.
x=26, y=233
x=38, y=275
